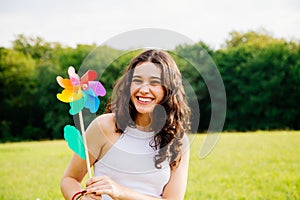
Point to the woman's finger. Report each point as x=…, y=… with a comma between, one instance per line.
x=103, y=185
x=92, y=181
x=95, y=180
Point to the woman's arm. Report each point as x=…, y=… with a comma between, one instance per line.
x=96, y=135
x=71, y=180
x=176, y=187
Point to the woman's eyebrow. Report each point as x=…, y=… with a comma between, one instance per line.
x=136, y=76
x=155, y=77
x=152, y=77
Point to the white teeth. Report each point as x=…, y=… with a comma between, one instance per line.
x=144, y=99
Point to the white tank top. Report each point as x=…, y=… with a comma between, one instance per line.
x=130, y=163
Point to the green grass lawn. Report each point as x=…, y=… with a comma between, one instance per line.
x=251, y=166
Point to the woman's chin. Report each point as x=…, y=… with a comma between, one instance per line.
x=144, y=110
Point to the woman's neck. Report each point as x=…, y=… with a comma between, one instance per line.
x=143, y=122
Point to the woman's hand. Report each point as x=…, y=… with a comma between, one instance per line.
x=104, y=185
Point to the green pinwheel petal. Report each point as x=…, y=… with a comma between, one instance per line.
x=74, y=140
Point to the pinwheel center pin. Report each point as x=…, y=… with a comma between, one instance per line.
x=84, y=86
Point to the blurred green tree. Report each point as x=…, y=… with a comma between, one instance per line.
x=259, y=74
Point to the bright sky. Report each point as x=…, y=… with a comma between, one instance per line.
x=94, y=21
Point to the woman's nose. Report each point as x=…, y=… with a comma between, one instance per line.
x=144, y=88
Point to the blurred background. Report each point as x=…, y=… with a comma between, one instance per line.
x=255, y=45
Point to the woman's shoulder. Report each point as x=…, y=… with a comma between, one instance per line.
x=101, y=134
x=102, y=124
x=106, y=119
x=185, y=142
x=105, y=122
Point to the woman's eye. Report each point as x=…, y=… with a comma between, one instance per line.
x=136, y=81
x=155, y=82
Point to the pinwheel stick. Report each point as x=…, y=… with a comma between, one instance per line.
x=85, y=145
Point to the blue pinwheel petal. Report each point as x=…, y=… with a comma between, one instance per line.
x=90, y=92
x=75, y=141
x=92, y=102
x=77, y=106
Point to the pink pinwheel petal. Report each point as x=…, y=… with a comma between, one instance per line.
x=63, y=82
x=73, y=76
x=97, y=88
x=90, y=75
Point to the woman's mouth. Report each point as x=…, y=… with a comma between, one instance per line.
x=144, y=100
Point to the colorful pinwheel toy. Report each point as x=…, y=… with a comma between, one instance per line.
x=80, y=93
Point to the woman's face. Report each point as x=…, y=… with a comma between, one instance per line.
x=146, y=88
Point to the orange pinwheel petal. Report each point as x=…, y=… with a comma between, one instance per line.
x=64, y=82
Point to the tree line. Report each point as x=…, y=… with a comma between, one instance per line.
x=261, y=75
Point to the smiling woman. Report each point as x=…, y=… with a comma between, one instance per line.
x=138, y=148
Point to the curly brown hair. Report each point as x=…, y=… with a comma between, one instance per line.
x=176, y=114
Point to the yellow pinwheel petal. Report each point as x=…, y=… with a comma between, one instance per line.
x=68, y=95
